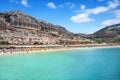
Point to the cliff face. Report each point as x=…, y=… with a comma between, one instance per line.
x=17, y=27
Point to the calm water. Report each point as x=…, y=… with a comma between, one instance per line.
x=85, y=64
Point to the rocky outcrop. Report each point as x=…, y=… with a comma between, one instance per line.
x=20, y=28
x=108, y=34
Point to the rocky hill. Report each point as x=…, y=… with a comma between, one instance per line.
x=108, y=34
x=17, y=27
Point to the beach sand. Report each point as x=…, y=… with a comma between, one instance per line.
x=9, y=52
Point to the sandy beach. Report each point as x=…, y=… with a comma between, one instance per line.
x=27, y=50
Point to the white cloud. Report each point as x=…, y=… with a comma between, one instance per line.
x=24, y=3
x=113, y=21
x=82, y=7
x=84, y=17
x=113, y=4
x=51, y=5
x=117, y=13
x=97, y=10
x=81, y=18
x=101, y=9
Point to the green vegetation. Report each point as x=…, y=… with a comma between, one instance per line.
x=4, y=43
x=116, y=41
x=38, y=43
x=74, y=42
x=100, y=41
x=105, y=40
x=55, y=35
x=1, y=27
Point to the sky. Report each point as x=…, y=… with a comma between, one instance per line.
x=78, y=16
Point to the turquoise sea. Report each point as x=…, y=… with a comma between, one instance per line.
x=81, y=64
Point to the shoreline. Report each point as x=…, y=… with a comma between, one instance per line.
x=57, y=49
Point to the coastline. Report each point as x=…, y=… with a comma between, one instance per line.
x=57, y=49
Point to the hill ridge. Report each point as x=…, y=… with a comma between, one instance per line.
x=19, y=28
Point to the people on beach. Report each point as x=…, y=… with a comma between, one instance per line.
x=22, y=49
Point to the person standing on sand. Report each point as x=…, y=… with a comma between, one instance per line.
x=4, y=51
x=27, y=50
x=0, y=51
x=11, y=51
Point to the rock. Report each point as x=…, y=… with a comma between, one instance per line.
x=19, y=28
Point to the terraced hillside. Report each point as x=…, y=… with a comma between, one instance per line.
x=17, y=27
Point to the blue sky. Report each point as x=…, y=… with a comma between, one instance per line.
x=79, y=16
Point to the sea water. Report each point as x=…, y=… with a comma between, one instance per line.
x=81, y=64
